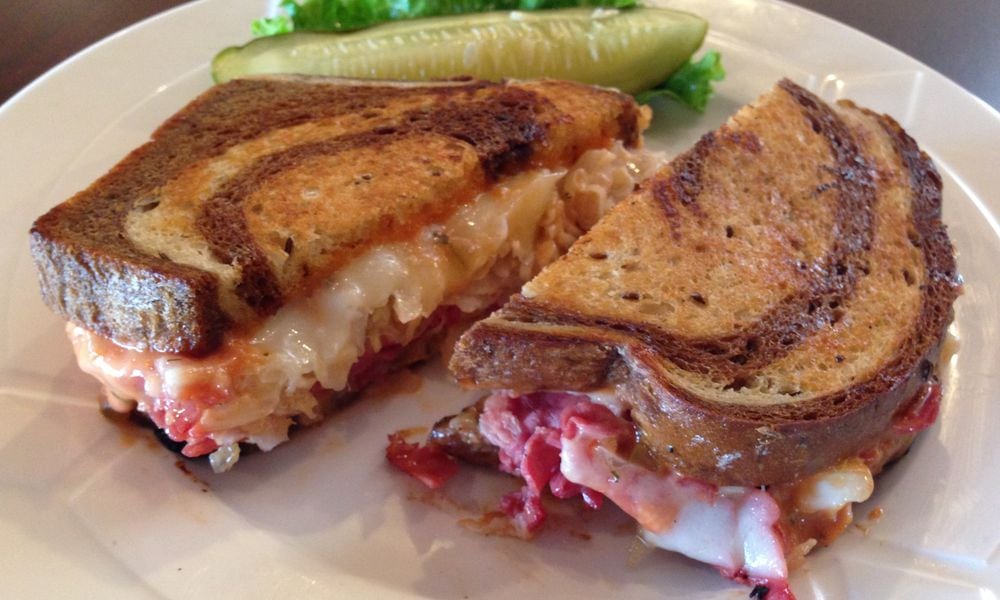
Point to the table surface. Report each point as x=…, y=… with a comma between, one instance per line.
x=958, y=38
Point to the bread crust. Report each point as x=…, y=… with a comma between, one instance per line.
x=95, y=273
x=538, y=339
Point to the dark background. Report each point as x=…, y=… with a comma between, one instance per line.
x=959, y=38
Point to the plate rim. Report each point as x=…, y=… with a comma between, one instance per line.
x=51, y=78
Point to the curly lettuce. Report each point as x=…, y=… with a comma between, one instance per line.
x=691, y=84
x=350, y=15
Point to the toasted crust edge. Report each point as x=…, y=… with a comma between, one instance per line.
x=111, y=296
x=107, y=285
x=758, y=445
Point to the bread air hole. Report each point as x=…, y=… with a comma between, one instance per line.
x=656, y=308
x=146, y=204
x=715, y=349
x=737, y=384
x=762, y=384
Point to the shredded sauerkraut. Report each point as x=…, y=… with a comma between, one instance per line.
x=253, y=389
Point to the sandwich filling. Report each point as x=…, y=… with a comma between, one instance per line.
x=369, y=317
x=585, y=445
x=771, y=305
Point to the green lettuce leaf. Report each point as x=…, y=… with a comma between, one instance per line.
x=349, y=15
x=691, y=84
x=271, y=26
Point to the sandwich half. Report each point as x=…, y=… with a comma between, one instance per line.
x=731, y=354
x=284, y=240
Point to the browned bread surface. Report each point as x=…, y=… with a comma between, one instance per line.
x=767, y=301
x=260, y=188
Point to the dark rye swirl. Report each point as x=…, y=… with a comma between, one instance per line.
x=260, y=188
x=766, y=303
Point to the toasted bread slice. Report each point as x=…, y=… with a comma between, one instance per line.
x=261, y=188
x=766, y=303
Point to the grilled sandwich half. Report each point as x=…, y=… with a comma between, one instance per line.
x=732, y=353
x=284, y=240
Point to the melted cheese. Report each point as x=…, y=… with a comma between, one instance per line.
x=731, y=528
x=257, y=385
x=736, y=529
x=831, y=490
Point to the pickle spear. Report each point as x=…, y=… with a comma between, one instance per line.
x=632, y=49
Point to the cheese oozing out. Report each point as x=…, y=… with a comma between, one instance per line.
x=260, y=382
x=581, y=444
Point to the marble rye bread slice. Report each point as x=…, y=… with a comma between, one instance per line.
x=260, y=188
x=767, y=302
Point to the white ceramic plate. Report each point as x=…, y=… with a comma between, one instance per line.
x=91, y=510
